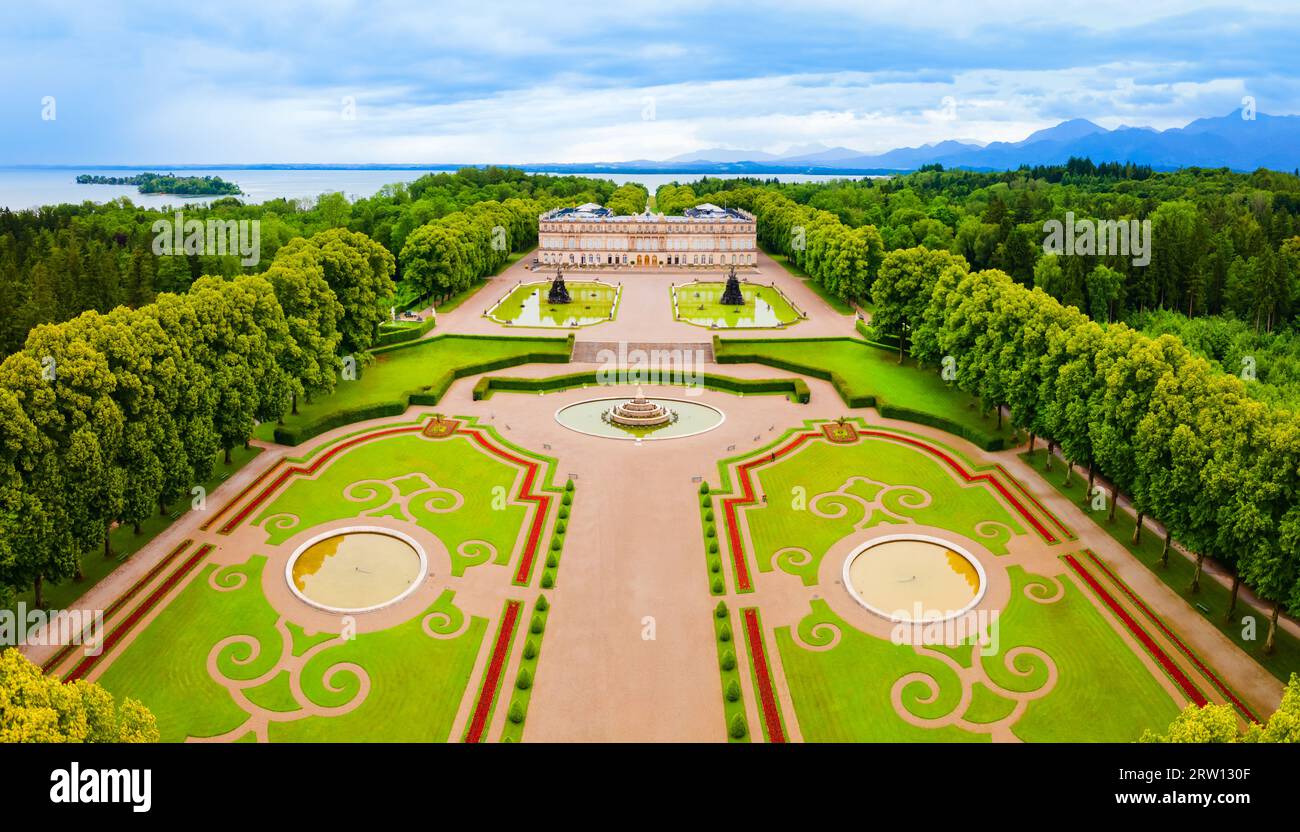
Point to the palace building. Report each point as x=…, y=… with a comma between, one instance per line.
x=591, y=235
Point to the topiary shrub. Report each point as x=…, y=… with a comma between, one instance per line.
x=561, y=526
x=733, y=691
x=542, y=604
x=739, y=729
x=704, y=488
x=708, y=515
x=724, y=633
x=567, y=499
x=516, y=713
x=556, y=544
x=525, y=680
x=530, y=649
x=710, y=531
x=537, y=625
x=568, y=486
x=548, y=580
x=713, y=547
x=728, y=660
x=564, y=512
x=552, y=560
x=715, y=566
x=717, y=585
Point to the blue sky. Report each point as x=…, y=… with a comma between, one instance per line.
x=270, y=81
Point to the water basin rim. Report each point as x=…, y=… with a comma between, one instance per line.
x=317, y=538
x=943, y=543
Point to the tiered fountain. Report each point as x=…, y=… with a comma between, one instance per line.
x=639, y=413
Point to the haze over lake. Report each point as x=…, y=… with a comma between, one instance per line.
x=22, y=188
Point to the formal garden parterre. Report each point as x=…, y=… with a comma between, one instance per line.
x=1062, y=648
x=217, y=646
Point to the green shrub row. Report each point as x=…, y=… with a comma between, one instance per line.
x=486, y=386
x=522, y=692
x=733, y=703
x=975, y=437
x=429, y=394
x=286, y=435
x=388, y=338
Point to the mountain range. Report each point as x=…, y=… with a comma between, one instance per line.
x=1234, y=141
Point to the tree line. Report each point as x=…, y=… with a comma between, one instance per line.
x=1223, y=243
x=59, y=261
x=111, y=417
x=1185, y=442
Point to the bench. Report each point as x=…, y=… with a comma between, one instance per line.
x=1202, y=608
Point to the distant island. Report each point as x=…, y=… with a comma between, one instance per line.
x=170, y=183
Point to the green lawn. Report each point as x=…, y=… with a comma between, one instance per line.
x=526, y=306
x=833, y=301
x=844, y=693
x=870, y=376
x=764, y=307
x=125, y=542
x=1284, y=661
x=417, y=682
x=449, y=487
x=485, y=526
x=896, y=471
x=1103, y=693
x=417, y=368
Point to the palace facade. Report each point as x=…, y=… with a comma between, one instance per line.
x=592, y=236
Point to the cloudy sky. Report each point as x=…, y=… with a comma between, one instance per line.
x=149, y=82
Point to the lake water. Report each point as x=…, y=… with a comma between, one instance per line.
x=22, y=188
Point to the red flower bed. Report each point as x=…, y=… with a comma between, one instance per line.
x=492, y=677
x=766, y=695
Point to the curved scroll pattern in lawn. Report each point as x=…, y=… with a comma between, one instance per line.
x=345, y=685
x=860, y=501
x=397, y=498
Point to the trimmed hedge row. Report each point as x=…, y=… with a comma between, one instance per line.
x=979, y=438
x=837, y=381
x=407, y=333
x=889, y=411
x=487, y=385
x=429, y=394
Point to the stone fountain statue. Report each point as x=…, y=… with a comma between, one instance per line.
x=559, y=292
x=731, y=296
x=639, y=413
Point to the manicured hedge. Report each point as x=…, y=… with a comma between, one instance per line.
x=983, y=440
x=297, y=435
x=429, y=394
x=785, y=386
x=409, y=333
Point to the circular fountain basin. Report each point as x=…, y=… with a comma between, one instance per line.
x=914, y=578
x=692, y=418
x=356, y=570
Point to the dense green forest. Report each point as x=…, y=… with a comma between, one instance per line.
x=167, y=183
x=1224, y=246
x=59, y=261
